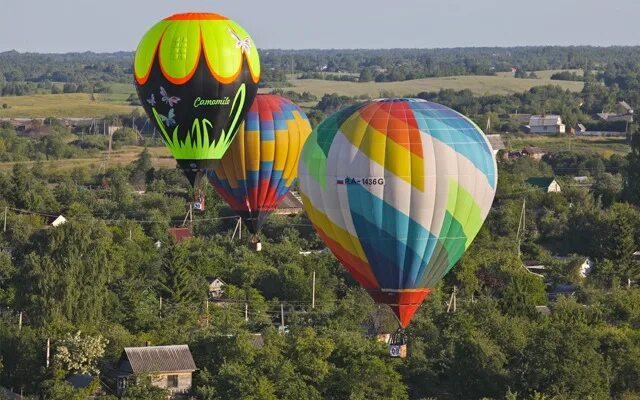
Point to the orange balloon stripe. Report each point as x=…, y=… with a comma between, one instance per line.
x=142, y=80
x=219, y=78
x=360, y=271
x=196, y=16
x=396, y=122
x=187, y=78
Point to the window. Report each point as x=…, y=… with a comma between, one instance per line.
x=172, y=381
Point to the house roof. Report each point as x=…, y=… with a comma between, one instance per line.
x=582, y=127
x=625, y=105
x=180, y=234
x=533, y=150
x=545, y=120
x=210, y=280
x=540, y=181
x=159, y=358
x=290, y=201
x=496, y=142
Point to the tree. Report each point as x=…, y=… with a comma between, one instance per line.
x=632, y=170
x=607, y=188
x=68, y=272
x=141, y=168
x=79, y=353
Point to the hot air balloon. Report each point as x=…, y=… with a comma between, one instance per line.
x=397, y=189
x=196, y=75
x=256, y=173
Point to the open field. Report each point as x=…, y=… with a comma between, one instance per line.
x=579, y=144
x=160, y=158
x=503, y=83
x=71, y=105
x=80, y=104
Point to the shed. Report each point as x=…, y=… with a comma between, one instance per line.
x=170, y=367
x=291, y=204
x=496, y=143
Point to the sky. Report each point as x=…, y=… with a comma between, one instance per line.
x=56, y=26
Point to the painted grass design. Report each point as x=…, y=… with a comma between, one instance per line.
x=196, y=145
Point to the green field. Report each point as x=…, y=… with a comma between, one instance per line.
x=160, y=158
x=601, y=145
x=70, y=105
x=502, y=83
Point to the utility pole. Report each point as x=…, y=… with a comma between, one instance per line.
x=246, y=312
x=160, y=303
x=521, y=225
x=452, y=300
x=48, y=351
x=20, y=322
x=207, y=310
x=313, y=291
x=282, y=317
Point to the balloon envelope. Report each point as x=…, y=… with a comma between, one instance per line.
x=397, y=189
x=196, y=75
x=256, y=173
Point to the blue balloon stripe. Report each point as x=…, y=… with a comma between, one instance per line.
x=456, y=132
x=384, y=239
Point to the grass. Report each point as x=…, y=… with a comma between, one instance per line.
x=70, y=105
x=606, y=146
x=160, y=158
x=502, y=83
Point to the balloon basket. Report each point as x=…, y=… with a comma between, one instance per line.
x=255, y=246
x=398, y=344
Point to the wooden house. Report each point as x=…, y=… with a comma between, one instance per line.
x=534, y=152
x=216, y=288
x=169, y=367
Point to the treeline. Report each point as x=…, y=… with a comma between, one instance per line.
x=29, y=73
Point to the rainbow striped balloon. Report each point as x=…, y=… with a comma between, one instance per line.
x=397, y=189
x=256, y=173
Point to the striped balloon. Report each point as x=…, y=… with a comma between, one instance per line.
x=397, y=189
x=256, y=173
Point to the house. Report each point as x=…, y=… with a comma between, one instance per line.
x=623, y=112
x=584, y=267
x=216, y=290
x=543, y=310
x=546, y=124
x=534, y=152
x=549, y=185
x=581, y=129
x=180, y=234
x=169, y=367
x=535, y=268
x=562, y=290
x=581, y=179
x=291, y=204
x=54, y=222
x=496, y=143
